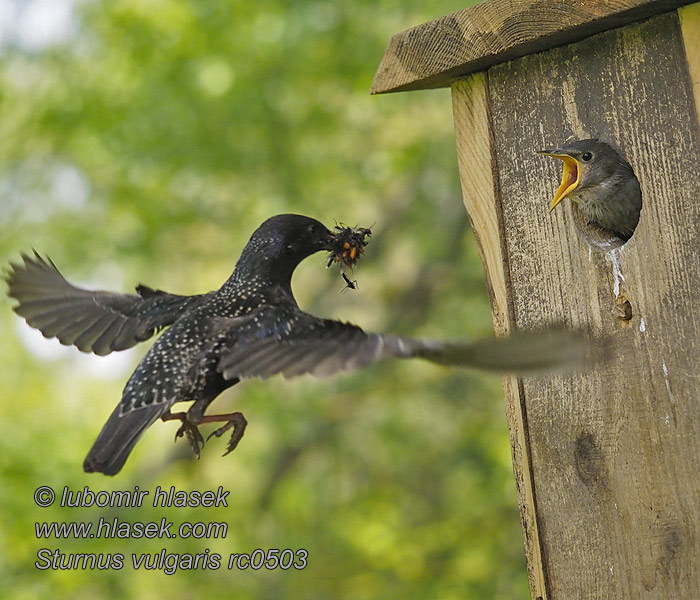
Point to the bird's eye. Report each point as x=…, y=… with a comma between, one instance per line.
x=586, y=156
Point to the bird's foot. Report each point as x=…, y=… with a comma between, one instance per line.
x=235, y=420
x=193, y=435
x=194, y=417
x=188, y=429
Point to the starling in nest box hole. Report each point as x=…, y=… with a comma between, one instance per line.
x=250, y=327
x=601, y=183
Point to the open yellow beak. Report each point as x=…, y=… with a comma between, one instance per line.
x=569, y=179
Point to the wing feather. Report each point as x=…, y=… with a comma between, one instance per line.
x=93, y=321
x=286, y=340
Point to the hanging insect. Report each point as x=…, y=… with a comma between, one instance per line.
x=349, y=285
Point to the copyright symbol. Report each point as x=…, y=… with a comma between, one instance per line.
x=44, y=496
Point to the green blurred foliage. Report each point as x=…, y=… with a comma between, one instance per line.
x=146, y=147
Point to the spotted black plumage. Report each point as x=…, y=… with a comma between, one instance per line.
x=250, y=327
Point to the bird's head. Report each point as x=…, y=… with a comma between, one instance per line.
x=286, y=240
x=587, y=163
x=283, y=241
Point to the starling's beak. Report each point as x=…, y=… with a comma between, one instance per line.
x=570, y=178
x=328, y=242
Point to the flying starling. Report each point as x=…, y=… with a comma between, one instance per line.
x=250, y=327
x=601, y=183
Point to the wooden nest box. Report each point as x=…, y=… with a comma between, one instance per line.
x=607, y=463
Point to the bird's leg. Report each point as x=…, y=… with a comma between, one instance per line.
x=195, y=416
x=189, y=425
x=235, y=420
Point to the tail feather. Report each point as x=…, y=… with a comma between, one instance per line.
x=117, y=438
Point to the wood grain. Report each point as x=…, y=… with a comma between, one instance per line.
x=435, y=53
x=479, y=177
x=615, y=453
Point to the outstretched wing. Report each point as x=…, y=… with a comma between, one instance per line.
x=275, y=340
x=286, y=340
x=93, y=321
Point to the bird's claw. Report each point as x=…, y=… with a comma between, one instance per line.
x=239, y=423
x=190, y=429
x=194, y=436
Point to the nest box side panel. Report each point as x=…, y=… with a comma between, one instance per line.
x=478, y=173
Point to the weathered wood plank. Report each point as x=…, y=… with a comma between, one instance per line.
x=479, y=177
x=478, y=173
x=434, y=54
x=616, y=453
